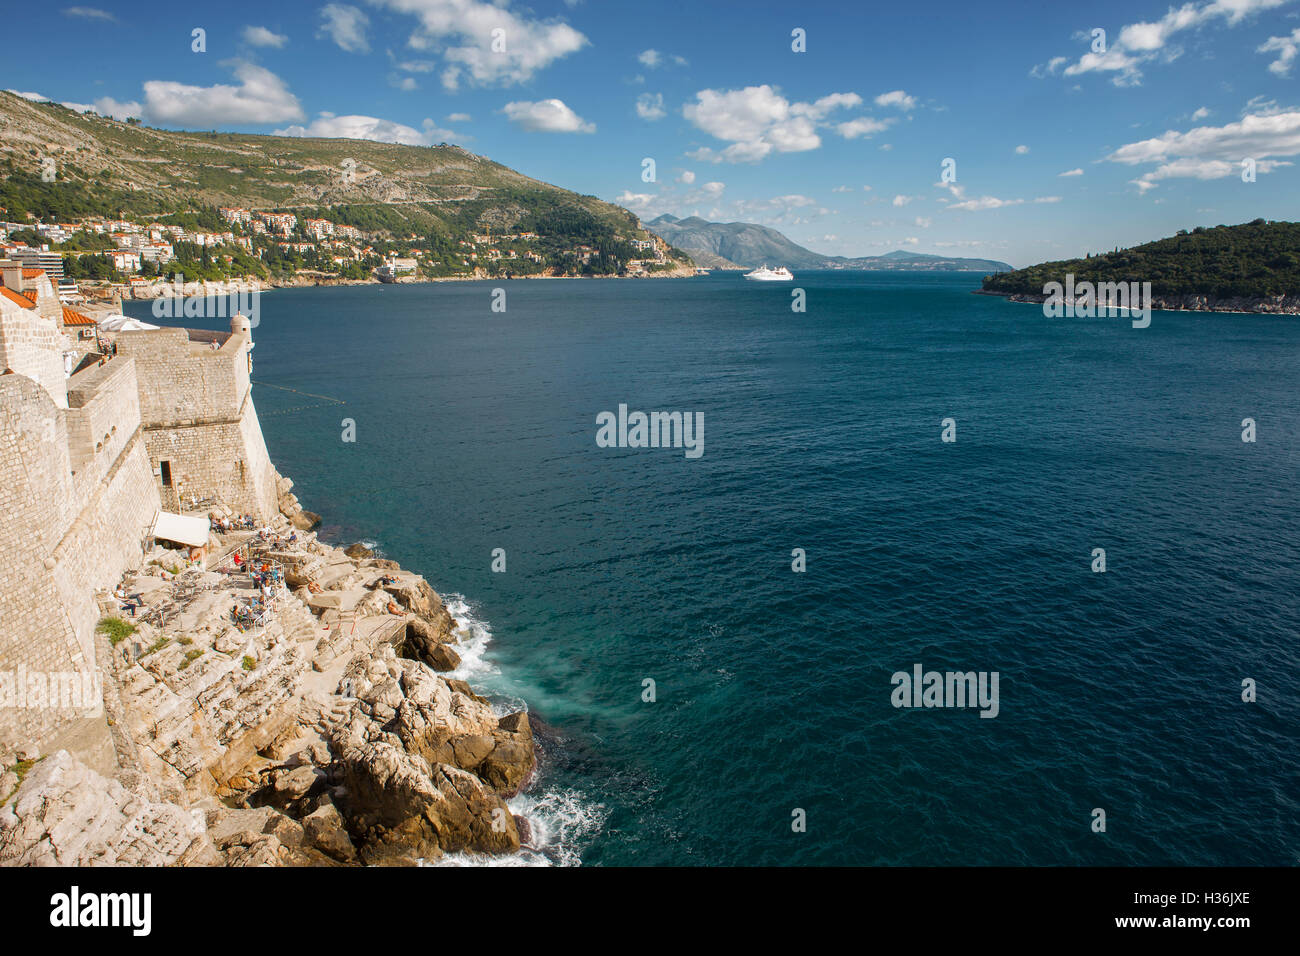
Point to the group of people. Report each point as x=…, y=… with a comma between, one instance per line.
x=245, y=615
x=239, y=523
x=266, y=575
x=274, y=537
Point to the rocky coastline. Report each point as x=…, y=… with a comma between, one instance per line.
x=327, y=733
x=1265, y=305
x=163, y=289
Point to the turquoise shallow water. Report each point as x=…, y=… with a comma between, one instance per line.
x=476, y=430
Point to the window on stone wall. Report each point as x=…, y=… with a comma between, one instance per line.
x=167, y=474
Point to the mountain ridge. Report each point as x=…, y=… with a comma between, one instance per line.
x=746, y=245
x=120, y=169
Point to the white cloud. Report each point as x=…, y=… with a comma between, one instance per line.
x=923, y=221
x=639, y=203
x=897, y=99
x=458, y=118
x=546, y=116
x=1285, y=48
x=1071, y=172
x=758, y=121
x=900, y=200
x=89, y=13
x=1191, y=168
x=707, y=201
x=261, y=36
x=686, y=177
x=462, y=30
x=985, y=202
x=261, y=97
x=862, y=126
x=1216, y=152
x=1200, y=114
x=1021, y=150
x=842, y=189
x=1140, y=43
x=346, y=26
x=104, y=106
x=1049, y=68
x=1048, y=199
x=107, y=106
x=652, y=59
x=650, y=106
x=329, y=126
x=779, y=206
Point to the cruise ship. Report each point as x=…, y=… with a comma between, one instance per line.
x=764, y=274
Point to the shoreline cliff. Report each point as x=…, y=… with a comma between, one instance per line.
x=163, y=289
x=326, y=731
x=1255, y=305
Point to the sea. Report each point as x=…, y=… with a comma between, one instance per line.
x=712, y=648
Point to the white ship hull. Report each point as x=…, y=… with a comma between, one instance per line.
x=780, y=274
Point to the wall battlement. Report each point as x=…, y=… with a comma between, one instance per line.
x=86, y=463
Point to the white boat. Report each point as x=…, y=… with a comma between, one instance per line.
x=764, y=274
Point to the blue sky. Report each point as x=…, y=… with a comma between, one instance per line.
x=1061, y=145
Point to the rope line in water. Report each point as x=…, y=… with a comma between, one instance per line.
x=284, y=388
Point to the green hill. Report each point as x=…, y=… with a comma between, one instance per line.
x=1255, y=260
x=443, y=192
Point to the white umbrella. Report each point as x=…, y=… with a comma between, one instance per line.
x=122, y=323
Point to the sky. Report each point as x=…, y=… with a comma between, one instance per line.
x=1070, y=128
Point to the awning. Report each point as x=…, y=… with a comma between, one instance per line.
x=181, y=529
x=121, y=323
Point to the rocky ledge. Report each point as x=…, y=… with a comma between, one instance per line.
x=1268, y=305
x=327, y=733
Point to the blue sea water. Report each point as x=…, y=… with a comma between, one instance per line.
x=1119, y=690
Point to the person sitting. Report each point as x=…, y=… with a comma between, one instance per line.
x=129, y=602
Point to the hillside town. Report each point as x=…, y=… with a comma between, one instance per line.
x=102, y=258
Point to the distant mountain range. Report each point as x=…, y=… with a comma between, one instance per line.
x=746, y=245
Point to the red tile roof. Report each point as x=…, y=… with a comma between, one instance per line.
x=13, y=296
x=33, y=273
x=72, y=317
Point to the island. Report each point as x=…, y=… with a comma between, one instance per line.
x=1251, y=267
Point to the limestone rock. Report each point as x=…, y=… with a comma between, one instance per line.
x=325, y=830
x=66, y=814
x=424, y=642
x=263, y=836
x=290, y=788
x=304, y=520
x=358, y=550
x=442, y=658
x=394, y=800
